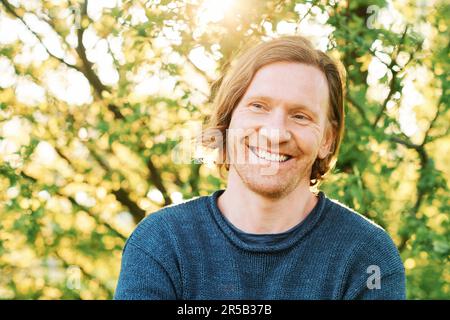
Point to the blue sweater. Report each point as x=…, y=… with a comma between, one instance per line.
x=191, y=251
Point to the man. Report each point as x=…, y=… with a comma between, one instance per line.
x=280, y=118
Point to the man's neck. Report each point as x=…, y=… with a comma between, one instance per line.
x=254, y=213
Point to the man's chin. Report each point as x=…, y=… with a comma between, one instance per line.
x=273, y=187
x=273, y=192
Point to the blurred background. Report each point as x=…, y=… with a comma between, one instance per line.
x=95, y=96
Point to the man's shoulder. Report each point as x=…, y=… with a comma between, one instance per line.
x=357, y=228
x=183, y=210
x=352, y=218
x=362, y=241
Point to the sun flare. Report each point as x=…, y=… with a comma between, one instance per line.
x=213, y=10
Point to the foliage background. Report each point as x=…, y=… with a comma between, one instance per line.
x=95, y=95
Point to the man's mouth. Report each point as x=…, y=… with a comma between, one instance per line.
x=270, y=156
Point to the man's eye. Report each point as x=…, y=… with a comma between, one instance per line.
x=300, y=117
x=257, y=106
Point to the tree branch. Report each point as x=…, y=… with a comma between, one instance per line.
x=194, y=178
x=407, y=144
x=87, y=66
x=421, y=193
x=385, y=102
x=10, y=9
x=394, y=75
x=85, y=209
x=155, y=177
x=358, y=107
x=121, y=194
x=433, y=121
x=76, y=204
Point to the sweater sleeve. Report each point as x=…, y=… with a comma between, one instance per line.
x=392, y=287
x=150, y=268
x=375, y=272
x=142, y=277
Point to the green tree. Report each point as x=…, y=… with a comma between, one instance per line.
x=95, y=96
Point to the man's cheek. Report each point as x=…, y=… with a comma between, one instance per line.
x=308, y=142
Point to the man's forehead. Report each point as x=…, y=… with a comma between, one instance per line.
x=289, y=70
x=292, y=83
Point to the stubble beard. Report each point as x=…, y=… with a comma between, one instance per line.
x=277, y=185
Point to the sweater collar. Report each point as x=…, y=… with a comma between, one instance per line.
x=300, y=230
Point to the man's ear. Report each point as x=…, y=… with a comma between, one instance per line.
x=327, y=142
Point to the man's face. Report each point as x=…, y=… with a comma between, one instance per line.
x=279, y=128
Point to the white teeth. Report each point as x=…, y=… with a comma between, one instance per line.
x=270, y=156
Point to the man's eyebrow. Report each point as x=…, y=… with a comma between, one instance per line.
x=293, y=105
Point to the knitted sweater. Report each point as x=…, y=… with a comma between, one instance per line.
x=191, y=251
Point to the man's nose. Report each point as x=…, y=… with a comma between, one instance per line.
x=275, y=129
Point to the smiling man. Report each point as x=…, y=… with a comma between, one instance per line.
x=278, y=121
